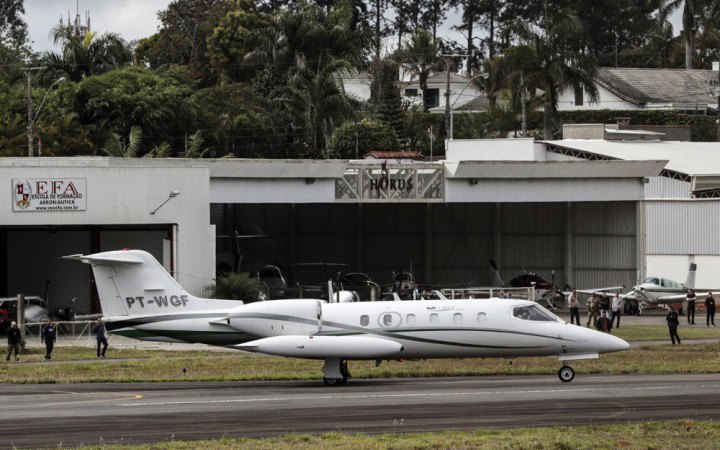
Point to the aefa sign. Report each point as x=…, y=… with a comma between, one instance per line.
x=49, y=194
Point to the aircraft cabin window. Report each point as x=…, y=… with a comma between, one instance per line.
x=387, y=320
x=533, y=312
x=652, y=280
x=434, y=319
x=410, y=319
x=482, y=317
x=457, y=318
x=364, y=320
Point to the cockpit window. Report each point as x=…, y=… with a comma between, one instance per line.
x=533, y=312
x=652, y=280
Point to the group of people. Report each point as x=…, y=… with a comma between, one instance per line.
x=48, y=336
x=691, y=299
x=603, y=313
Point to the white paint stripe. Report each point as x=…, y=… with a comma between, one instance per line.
x=412, y=395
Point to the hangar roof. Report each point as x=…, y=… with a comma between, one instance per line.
x=690, y=158
x=554, y=169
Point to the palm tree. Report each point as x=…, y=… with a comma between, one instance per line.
x=547, y=62
x=695, y=14
x=315, y=50
x=421, y=54
x=83, y=56
x=115, y=145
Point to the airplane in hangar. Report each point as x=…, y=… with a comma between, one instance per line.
x=139, y=299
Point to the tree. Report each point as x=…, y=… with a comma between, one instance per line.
x=185, y=27
x=239, y=286
x=314, y=50
x=118, y=147
x=129, y=97
x=12, y=24
x=391, y=109
x=544, y=63
x=354, y=140
x=83, y=56
x=421, y=55
x=434, y=15
x=693, y=17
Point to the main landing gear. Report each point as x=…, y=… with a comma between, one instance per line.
x=566, y=373
x=336, y=372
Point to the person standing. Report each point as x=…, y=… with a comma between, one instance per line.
x=101, y=336
x=710, y=310
x=604, y=303
x=690, y=307
x=14, y=339
x=592, y=305
x=48, y=335
x=618, y=303
x=574, y=304
x=673, y=322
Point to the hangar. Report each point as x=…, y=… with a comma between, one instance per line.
x=544, y=207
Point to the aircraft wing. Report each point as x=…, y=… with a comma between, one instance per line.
x=595, y=291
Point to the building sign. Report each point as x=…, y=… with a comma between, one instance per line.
x=49, y=194
x=391, y=183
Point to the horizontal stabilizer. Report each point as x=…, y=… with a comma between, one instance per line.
x=321, y=347
x=99, y=258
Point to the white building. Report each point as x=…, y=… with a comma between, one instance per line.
x=588, y=212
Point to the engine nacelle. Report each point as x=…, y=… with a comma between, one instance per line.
x=277, y=317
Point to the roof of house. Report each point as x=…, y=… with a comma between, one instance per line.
x=643, y=86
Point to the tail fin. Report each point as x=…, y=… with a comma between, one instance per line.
x=132, y=282
x=690, y=281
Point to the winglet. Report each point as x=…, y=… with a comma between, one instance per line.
x=115, y=257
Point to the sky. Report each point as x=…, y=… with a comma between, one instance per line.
x=132, y=19
x=136, y=19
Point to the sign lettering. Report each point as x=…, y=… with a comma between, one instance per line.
x=49, y=194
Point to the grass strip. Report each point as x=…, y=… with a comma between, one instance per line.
x=675, y=435
x=79, y=365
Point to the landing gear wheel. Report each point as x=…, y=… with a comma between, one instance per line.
x=335, y=381
x=566, y=374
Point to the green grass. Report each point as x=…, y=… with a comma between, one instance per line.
x=157, y=365
x=638, y=333
x=675, y=435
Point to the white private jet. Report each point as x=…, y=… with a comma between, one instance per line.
x=140, y=299
x=656, y=290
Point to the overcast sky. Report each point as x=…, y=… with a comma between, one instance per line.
x=132, y=19
x=136, y=19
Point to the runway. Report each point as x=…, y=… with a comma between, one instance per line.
x=48, y=415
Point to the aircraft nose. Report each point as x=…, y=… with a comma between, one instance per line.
x=615, y=344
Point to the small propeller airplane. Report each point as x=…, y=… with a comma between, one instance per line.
x=139, y=299
x=655, y=291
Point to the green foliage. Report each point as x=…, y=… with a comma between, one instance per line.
x=371, y=136
x=118, y=147
x=424, y=128
x=391, y=111
x=238, y=286
x=123, y=98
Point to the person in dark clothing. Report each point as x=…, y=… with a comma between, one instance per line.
x=603, y=323
x=48, y=335
x=14, y=338
x=690, y=307
x=100, y=333
x=710, y=309
x=604, y=303
x=673, y=322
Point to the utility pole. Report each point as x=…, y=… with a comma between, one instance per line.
x=29, y=112
x=447, y=96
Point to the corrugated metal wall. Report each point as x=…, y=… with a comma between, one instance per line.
x=683, y=227
x=604, y=244
x=663, y=187
x=542, y=190
x=381, y=238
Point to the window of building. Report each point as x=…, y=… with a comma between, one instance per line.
x=411, y=92
x=364, y=320
x=482, y=317
x=432, y=98
x=579, y=96
x=457, y=318
x=410, y=319
x=434, y=319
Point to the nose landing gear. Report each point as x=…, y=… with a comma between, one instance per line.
x=566, y=374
